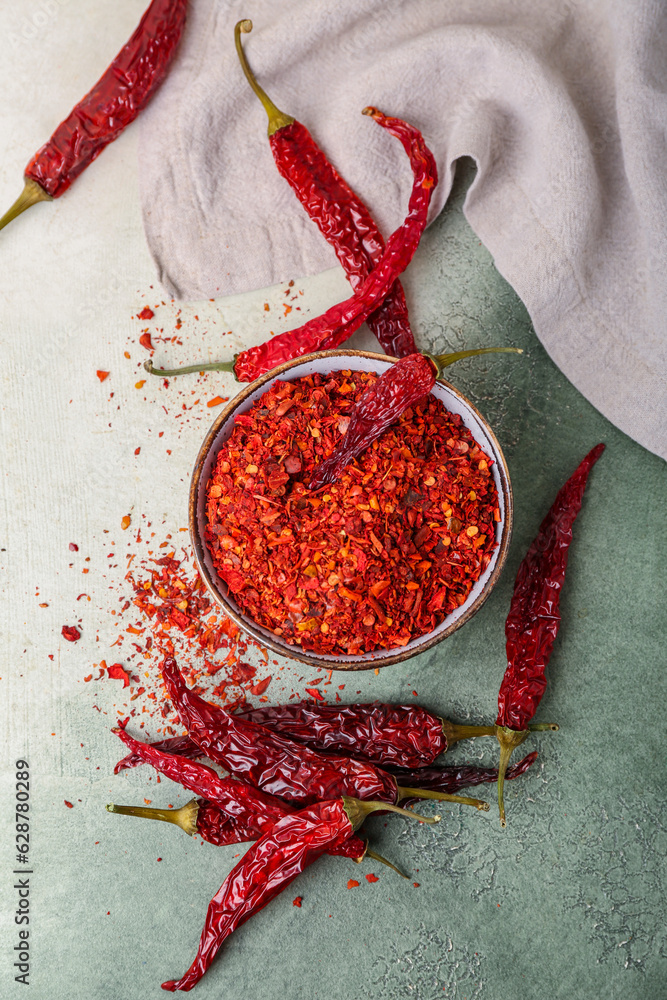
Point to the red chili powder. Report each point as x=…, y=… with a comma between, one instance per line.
x=372, y=562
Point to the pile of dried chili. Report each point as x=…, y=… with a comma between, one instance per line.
x=381, y=557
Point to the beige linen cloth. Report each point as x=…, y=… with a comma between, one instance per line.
x=562, y=104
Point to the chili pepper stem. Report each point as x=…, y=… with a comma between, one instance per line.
x=31, y=194
x=543, y=727
x=441, y=361
x=509, y=740
x=426, y=793
x=185, y=817
x=357, y=811
x=213, y=366
x=455, y=732
x=277, y=118
x=378, y=857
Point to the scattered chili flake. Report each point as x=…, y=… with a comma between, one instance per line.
x=137, y=450
x=71, y=633
x=102, y=375
x=73, y=547
x=146, y=313
x=145, y=341
x=68, y=804
x=379, y=558
x=352, y=883
x=116, y=672
x=126, y=521
x=261, y=686
x=217, y=400
x=372, y=878
x=140, y=384
x=314, y=693
x=298, y=901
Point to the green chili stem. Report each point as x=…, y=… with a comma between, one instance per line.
x=445, y=360
x=455, y=732
x=357, y=811
x=426, y=793
x=31, y=194
x=185, y=817
x=277, y=118
x=509, y=740
x=213, y=366
x=378, y=857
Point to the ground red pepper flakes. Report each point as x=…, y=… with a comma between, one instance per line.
x=372, y=878
x=352, y=883
x=117, y=672
x=71, y=633
x=145, y=341
x=298, y=901
x=68, y=804
x=172, y=614
x=376, y=560
x=102, y=375
x=146, y=313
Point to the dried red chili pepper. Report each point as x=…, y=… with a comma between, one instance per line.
x=114, y=102
x=199, y=816
x=453, y=778
x=270, y=866
x=339, y=213
x=381, y=557
x=406, y=736
x=71, y=633
x=438, y=779
x=534, y=618
x=250, y=808
x=398, y=388
x=278, y=765
x=327, y=331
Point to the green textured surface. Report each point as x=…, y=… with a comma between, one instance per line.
x=568, y=901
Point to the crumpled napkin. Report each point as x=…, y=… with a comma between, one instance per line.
x=562, y=105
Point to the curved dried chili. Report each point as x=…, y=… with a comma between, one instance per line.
x=398, y=388
x=339, y=213
x=329, y=330
x=119, y=95
x=534, y=618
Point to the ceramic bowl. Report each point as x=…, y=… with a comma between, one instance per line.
x=326, y=361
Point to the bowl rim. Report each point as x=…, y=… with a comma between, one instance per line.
x=251, y=628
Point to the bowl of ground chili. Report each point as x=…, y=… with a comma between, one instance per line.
x=385, y=563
